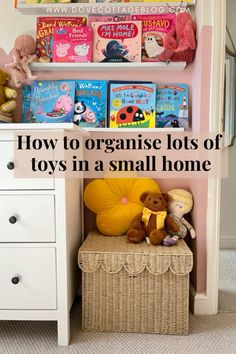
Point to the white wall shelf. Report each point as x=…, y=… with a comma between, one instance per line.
x=62, y=67
x=79, y=9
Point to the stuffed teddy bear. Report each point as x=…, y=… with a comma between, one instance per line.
x=151, y=221
x=23, y=55
x=180, y=43
x=180, y=203
x=7, y=95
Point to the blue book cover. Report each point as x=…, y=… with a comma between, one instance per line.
x=52, y=101
x=26, y=99
x=132, y=105
x=91, y=103
x=172, y=108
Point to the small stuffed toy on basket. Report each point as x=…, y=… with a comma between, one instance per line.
x=180, y=203
x=24, y=53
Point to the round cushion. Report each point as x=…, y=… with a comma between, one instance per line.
x=116, y=202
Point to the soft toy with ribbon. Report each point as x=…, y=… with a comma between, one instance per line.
x=150, y=222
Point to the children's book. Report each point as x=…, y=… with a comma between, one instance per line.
x=172, y=109
x=91, y=103
x=26, y=98
x=154, y=29
x=52, y=101
x=45, y=30
x=107, y=18
x=72, y=44
x=132, y=105
x=117, y=41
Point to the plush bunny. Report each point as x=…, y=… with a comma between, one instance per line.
x=180, y=203
x=180, y=43
x=23, y=55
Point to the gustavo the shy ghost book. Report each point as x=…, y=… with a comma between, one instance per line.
x=117, y=41
x=72, y=44
x=52, y=101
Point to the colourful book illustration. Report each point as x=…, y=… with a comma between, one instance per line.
x=172, y=109
x=45, y=30
x=154, y=29
x=132, y=105
x=26, y=99
x=91, y=103
x=117, y=41
x=72, y=44
x=107, y=18
x=52, y=101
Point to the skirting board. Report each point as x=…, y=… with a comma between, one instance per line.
x=228, y=241
x=198, y=302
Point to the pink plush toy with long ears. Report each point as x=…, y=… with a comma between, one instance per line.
x=23, y=55
x=180, y=43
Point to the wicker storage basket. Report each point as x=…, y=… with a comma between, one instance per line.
x=134, y=288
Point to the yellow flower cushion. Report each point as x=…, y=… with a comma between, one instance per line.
x=116, y=202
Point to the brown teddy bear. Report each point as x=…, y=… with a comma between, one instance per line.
x=151, y=221
x=7, y=95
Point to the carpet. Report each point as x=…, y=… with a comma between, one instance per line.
x=227, y=280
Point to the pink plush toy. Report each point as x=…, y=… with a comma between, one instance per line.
x=180, y=43
x=23, y=55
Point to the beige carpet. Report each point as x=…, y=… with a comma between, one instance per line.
x=208, y=335
x=227, y=281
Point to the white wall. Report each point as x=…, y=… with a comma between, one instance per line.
x=12, y=24
x=228, y=195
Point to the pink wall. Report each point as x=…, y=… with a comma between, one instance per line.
x=197, y=76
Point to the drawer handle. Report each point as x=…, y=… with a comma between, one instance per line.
x=15, y=280
x=12, y=220
x=10, y=165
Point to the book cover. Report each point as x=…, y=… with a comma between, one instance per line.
x=107, y=18
x=45, y=30
x=52, y=101
x=117, y=41
x=72, y=44
x=132, y=105
x=154, y=29
x=91, y=103
x=172, y=108
x=26, y=99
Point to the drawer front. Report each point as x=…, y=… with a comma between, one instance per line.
x=27, y=218
x=7, y=179
x=28, y=278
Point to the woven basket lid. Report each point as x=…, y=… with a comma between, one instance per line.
x=115, y=253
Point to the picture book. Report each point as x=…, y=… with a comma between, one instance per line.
x=172, y=108
x=45, y=30
x=26, y=98
x=132, y=105
x=52, y=101
x=154, y=28
x=72, y=44
x=91, y=103
x=117, y=41
x=107, y=18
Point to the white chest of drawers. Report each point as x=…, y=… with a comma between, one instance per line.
x=40, y=233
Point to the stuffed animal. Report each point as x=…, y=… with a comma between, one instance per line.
x=7, y=95
x=180, y=43
x=180, y=203
x=23, y=55
x=151, y=221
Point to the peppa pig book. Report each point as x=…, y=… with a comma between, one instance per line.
x=117, y=41
x=52, y=101
x=45, y=30
x=72, y=44
x=91, y=103
x=154, y=29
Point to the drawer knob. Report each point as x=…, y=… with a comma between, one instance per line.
x=15, y=280
x=12, y=220
x=10, y=165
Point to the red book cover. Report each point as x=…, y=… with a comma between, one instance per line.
x=45, y=30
